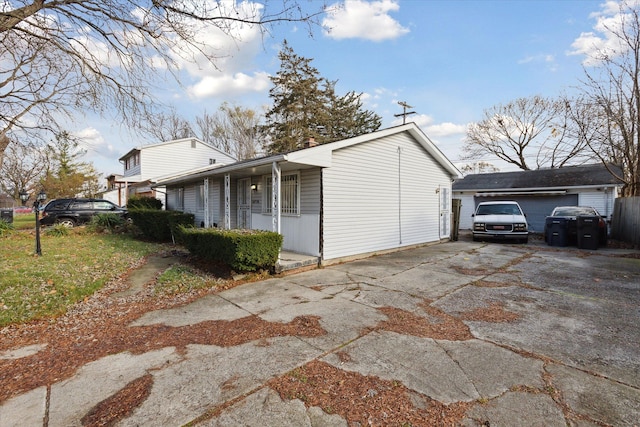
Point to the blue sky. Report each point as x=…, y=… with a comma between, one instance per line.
x=449, y=59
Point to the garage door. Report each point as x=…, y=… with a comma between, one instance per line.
x=537, y=208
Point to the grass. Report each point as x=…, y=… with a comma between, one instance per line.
x=24, y=221
x=71, y=268
x=181, y=278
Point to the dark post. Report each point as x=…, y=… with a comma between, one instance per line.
x=41, y=197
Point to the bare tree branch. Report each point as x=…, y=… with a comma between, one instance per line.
x=58, y=57
x=529, y=133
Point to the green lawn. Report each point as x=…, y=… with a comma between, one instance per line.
x=24, y=221
x=70, y=268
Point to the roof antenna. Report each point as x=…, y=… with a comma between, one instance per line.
x=404, y=113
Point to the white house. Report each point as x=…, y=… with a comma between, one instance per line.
x=145, y=165
x=375, y=192
x=539, y=191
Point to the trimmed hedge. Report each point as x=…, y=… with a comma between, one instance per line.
x=242, y=250
x=160, y=225
x=144, y=202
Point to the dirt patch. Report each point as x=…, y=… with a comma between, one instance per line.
x=73, y=343
x=444, y=326
x=494, y=313
x=120, y=405
x=364, y=400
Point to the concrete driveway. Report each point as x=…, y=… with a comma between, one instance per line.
x=554, y=340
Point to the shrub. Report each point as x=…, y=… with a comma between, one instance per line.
x=5, y=227
x=159, y=225
x=106, y=222
x=57, y=230
x=242, y=250
x=144, y=202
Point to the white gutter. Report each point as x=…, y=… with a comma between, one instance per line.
x=522, y=193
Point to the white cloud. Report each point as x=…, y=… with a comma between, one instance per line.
x=224, y=84
x=445, y=129
x=92, y=140
x=363, y=20
x=234, y=50
x=603, y=41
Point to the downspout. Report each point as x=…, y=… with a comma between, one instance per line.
x=321, y=225
x=399, y=196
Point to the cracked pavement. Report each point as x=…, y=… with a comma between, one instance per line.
x=569, y=358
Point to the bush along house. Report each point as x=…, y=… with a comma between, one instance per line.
x=381, y=191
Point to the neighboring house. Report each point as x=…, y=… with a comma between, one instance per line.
x=143, y=166
x=539, y=191
x=375, y=192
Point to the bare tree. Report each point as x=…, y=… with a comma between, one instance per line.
x=529, y=133
x=23, y=166
x=62, y=56
x=233, y=129
x=607, y=116
x=478, y=167
x=169, y=126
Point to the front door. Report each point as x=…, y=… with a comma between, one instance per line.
x=244, y=203
x=445, y=213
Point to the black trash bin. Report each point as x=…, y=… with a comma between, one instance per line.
x=557, y=231
x=588, y=231
x=6, y=215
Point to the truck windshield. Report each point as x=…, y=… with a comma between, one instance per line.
x=506, y=209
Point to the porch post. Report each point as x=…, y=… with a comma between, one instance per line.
x=207, y=218
x=275, y=198
x=227, y=202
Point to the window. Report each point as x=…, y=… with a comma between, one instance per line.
x=82, y=205
x=200, y=196
x=179, y=198
x=103, y=205
x=289, y=194
x=132, y=161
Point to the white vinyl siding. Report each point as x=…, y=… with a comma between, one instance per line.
x=600, y=200
x=176, y=156
x=377, y=198
x=301, y=233
x=200, y=197
x=215, y=201
x=178, y=201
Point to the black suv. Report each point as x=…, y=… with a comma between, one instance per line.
x=72, y=212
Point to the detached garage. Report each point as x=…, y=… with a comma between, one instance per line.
x=380, y=191
x=539, y=191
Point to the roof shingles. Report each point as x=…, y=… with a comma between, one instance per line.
x=569, y=176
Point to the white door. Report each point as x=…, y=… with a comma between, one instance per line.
x=244, y=203
x=445, y=213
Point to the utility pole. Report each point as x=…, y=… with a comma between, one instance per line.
x=404, y=113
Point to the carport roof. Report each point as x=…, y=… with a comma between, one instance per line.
x=569, y=176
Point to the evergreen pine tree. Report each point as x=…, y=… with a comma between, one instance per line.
x=305, y=106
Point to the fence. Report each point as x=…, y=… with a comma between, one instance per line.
x=625, y=223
